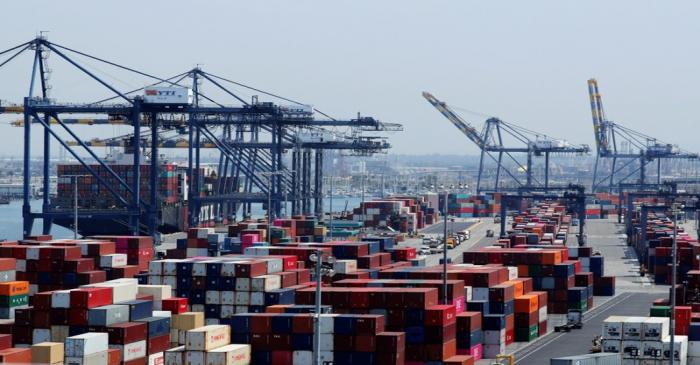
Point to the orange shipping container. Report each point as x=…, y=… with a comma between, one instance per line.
x=526, y=303
x=14, y=288
x=517, y=287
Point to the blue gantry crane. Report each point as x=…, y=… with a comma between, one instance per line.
x=498, y=140
x=251, y=138
x=616, y=143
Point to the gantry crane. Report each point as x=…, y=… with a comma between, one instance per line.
x=609, y=139
x=493, y=138
x=251, y=138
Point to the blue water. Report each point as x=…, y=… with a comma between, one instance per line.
x=11, y=222
x=11, y=216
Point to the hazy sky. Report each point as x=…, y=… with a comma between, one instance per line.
x=524, y=61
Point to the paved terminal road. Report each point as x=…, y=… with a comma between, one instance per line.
x=635, y=295
x=439, y=228
x=579, y=342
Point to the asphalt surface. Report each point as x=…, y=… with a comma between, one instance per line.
x=634, y=296
x=579, y=342
x=439, y=228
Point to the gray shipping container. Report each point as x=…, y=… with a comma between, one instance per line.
x=589, y=359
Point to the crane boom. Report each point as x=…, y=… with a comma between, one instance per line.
x=462, y=125
x=599, y=122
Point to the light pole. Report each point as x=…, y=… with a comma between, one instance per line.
x=364, y=209
x=324, y=267
x=675, y=208
x=330, y=213
x=444, y=254
x=74, y=180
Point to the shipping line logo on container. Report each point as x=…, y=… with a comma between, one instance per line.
x=152, y=92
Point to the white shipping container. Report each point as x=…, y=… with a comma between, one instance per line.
x=228, y=297
x=86, y=344
x=242, y=298
x=693, y=360
x=122, y=290
x=327, y=321
x=228, y=269
x=512, y=272
x=345, y=266
x=33, y=253
x=170, y=267
x=174, y=96
x=227, y=311
x=60, y=299
x=158, y=292
x=195, y=357
x=693, y=348
x=199, y=268
x=494, y=337
x=170, y=281
x=208, y=337
x=212, y=297
x=655, y=329
x=156, y=359
x=467, y=293
x=326, y=342
x=194, y=252
x=59, y=333
x=302, y=358
x=155, y=267
x=680, y=348
x=242, y=284
x=40, y=335
x=631, y=347
x=612, y=346
x=98, y=358
x=479, y=293
x=131, y=351
x=113, y=260
x=542, y=314
x=257, y=298
x=632, y=328
x=612, y=327
x=155, y=280
x=229, y=355
x=650, y=348
x=265, y=283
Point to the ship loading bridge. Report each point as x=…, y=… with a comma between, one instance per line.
x=619, y=147
x=499, y=139
x=251, y=139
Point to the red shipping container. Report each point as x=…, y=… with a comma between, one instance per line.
x=128, y=332
x=92, y=277
x=369, y=324
x=114, y=357
x=139, y=361
x=79, y=265
x=459, y=360
x=16, y=356
x=282, y=357
x=250, y=269
x=440, y=315
x=158, y=344
x=365, y=343
x=175, y=305
x=7, y=264
x=5, y=341
x=90, y=297
x=303, y=324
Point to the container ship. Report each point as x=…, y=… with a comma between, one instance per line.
x=93, y=196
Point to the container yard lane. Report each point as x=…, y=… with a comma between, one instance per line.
x=634, y=296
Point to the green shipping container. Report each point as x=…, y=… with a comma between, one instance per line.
x=526, y=334
x=13, y=300
x=582, y=305
x=660, y=311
